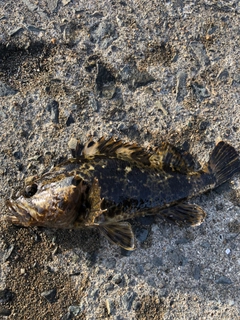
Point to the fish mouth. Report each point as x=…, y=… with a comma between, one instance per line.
x=20, y=213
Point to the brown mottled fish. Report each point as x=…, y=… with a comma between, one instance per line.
x=108, y=182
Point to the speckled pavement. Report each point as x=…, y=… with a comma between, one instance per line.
x=141, y=71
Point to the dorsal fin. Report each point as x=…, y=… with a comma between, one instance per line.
x=165, y=157
x=168, y=157
x=117, y=149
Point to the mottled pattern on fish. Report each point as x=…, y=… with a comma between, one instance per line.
x=109, y=181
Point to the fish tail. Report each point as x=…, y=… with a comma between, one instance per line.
x=224, y=162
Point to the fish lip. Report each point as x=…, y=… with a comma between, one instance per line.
x=20, y=215
x=12, y=204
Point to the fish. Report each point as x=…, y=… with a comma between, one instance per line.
x=108, y=182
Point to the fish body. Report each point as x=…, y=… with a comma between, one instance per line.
x=110, y=182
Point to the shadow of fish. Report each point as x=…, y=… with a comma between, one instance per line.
x=108, y=182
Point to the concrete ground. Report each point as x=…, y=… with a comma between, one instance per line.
x=144, y=72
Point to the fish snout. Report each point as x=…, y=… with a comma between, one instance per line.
x=20, y=215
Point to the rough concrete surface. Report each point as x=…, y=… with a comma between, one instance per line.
x=141, y=71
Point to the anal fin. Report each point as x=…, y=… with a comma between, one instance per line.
x=184, y=213
x=119, y=233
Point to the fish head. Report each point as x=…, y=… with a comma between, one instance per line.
x=55, y=204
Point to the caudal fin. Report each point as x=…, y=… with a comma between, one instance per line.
x=224, y=162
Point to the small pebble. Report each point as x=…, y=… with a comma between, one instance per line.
x=49, y=295
x=223, y=74
x=231, y=302
x=141, y=234
x=22, y=271
x=4, y=311
x=65, y=2
x=72, y=144
x=105, y=82
x=53, y=108
x=70, y=120
x=52, y=4
x=31, y=6
x=8, y=253
x=93, y=103
x=200, y=52
x=127, y=299
x=197, y=272
x=17, y=154
x=181, y=90
x=104, y=34
x=117, y=278
x=223, y=280
x=108, y=307
x=159, y=106
x=139, y=269
x=16, y=31
x=5, y=295
x=75, y=310
x=200, y=91
x=134, y=77
x=34, y=29
x=5, y=90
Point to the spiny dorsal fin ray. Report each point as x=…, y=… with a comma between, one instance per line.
x=119, y=233
x=165, y=157
x=116, y=149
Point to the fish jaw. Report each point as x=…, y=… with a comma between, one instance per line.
x=20, y=215
x=52, y=208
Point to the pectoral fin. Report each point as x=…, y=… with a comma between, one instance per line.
x=119, y=233
x=95, y=201
x=184, y=213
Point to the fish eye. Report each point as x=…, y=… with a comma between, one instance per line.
x=30, y=190
x=90, y=144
